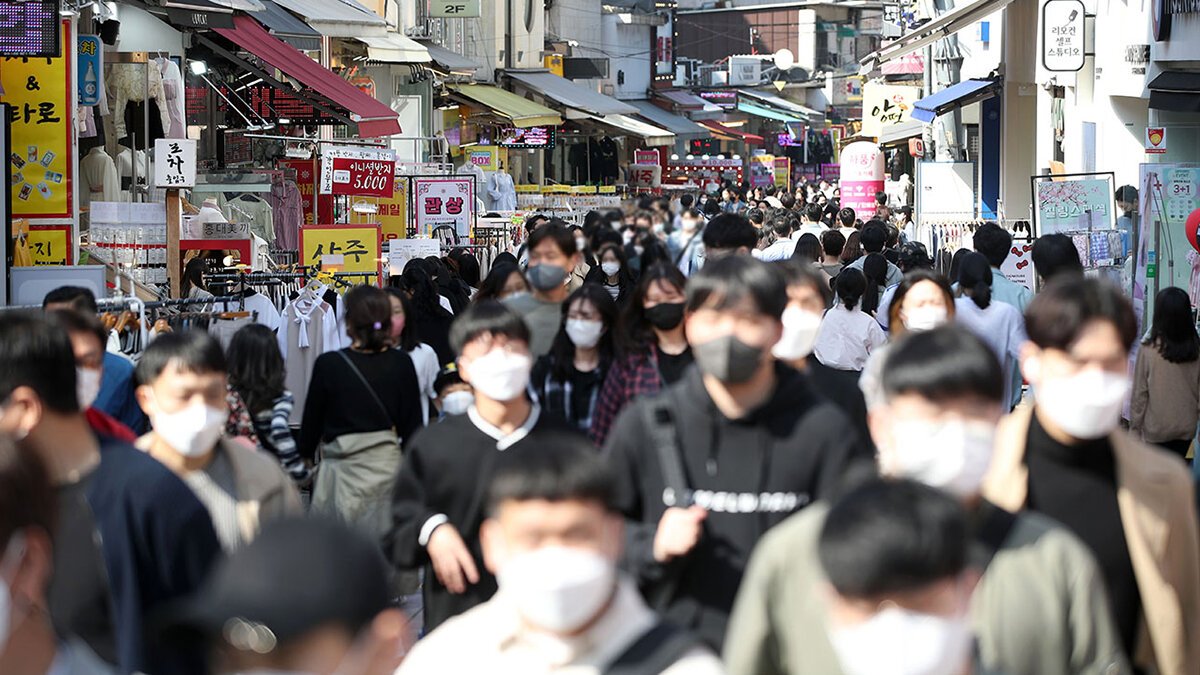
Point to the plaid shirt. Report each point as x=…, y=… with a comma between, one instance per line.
x=631, y=376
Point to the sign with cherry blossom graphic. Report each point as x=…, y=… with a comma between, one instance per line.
x=1018, y=266
x=439, y=201
x=1075, y=205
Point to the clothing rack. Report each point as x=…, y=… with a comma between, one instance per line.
x=182, y=302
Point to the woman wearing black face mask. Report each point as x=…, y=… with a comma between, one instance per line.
x=653, y=351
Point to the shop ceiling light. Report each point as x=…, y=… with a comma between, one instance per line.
x=198, y=67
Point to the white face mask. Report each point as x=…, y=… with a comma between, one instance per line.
x=457, y=402
x=901, y=642
x=953, y=456
x=638, y=250
x=687, y=225
x=558, y=589
x=87, y=386
x=499, y=375
x=580, y=244
x=1086, y=405
x=518, y=294
x=610, y=268
x=193, y=431
x=585, y=334
x=657, y=228
x=924, y=318
x=800, y=329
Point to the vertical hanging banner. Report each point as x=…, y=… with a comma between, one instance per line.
x=442, y=200
x=762, y=170
x=90, y=66
x=1062, y=35
x=38, y=91
x=306, y=181
x=356, y=246
x=393, y=212
x=860, y=177
x=783, y=171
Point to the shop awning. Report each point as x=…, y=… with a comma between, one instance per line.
x=695, y=107
x=767, y=113
x=953, y=97
x=1173, y=90
x=452, y=62
x=285, y=26
x=650, y=134
x=896, y=133
x=372, y=117
x=571, y=95
x=338, y=18
x=947, y=24
x=682, y=127
x=395, y=48
x=521, y=111
x=780, y=103
x=750, y=139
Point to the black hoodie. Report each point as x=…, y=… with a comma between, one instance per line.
x=749, y=474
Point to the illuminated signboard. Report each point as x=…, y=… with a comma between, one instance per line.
x=533, y=137
x=705, y=146
x=30, y=28
x=725, y=99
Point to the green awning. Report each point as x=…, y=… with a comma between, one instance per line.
x=760, y=111
x=523, y=112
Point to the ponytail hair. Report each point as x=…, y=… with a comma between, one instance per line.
x=875, y=269
x=975, y=279
x=850, y=284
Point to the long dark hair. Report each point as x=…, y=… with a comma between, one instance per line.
x=193, y=274
x=853, y=249
x=408, y=336
x=875, y=269
x=562, y=351
x=975, y=279
x=636, y=335
x=808, y=248
x=625, y=278
x=1173, y=332
x=368, y=317
x=255, y=366
x=493, y=284
x=420, y=287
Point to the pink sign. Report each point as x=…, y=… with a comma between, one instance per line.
x=861, y=177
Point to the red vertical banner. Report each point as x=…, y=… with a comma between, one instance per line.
x=306, y=180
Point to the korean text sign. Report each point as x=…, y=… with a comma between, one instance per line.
x=363, y=177
x=38, y=91
x=1073, y=205
x=332, y=153
x=174, y=163
x=393, y=212
x=440, y=201
x=1062, y=35
x=885, y=105
x=50, y=244
x=357, y=244
x=861, y=176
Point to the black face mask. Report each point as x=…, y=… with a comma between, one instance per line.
x=728, y=359
x=665, y=315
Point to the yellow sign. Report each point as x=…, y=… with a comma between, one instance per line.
x=583, y=189
x=608, y=189
x=36, y=88
x=783, y=171
x=50, y=245
x=556, y=189
x=885, y=105
x=529, y=188
x=357, y=246
x=393, y=213
x=554, y=63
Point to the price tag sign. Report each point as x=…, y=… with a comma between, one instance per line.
x=363, y=177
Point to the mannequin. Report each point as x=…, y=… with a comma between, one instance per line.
x=502, y=191
x=210, y=212
x=100, y=179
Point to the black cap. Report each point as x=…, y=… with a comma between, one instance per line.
x=299, y=574
x=446, y=377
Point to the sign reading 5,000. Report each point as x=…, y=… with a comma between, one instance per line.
x=363, y=177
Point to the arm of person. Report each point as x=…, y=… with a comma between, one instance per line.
x=840, y=452
x=1140, y=398
x=312, y=424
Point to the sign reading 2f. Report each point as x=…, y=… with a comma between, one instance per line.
x=454, y=9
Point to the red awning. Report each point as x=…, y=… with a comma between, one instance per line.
x=374, y=118
x=719, y=128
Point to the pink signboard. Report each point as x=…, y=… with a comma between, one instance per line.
x=861, y=177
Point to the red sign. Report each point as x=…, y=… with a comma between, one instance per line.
x=363, y=177
x=916, y=147
x=306, y=180
x=1156, y=141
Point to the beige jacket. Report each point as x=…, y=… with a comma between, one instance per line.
x=1157, y=502
x=1166, y=397
x=1040, y=608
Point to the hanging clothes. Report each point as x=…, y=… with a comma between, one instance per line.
x=502, y=191
x=309, y=329
x=288, y=214
x=100, y=179
x=257, y=212
x=173, y=92
x=126, y=82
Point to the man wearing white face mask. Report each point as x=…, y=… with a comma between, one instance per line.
x=181, y=380
x=436, y=505
x=1040, y=606
x=28, y=644
x=87, y=341
x=1133, y=504
x=553, y=539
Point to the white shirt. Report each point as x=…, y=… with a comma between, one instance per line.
x=425, y=361
x=490, y=639
x=780, y=250
x=1001, y=326
x=815, y=229
x=847, y=337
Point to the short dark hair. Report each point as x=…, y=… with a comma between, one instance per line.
x=943, y=364
x=193, y=351
x=686, y=201
x=368, y=317
x=795, y=273
x=913, y=256
x=787, y=199
x=756, y=216
x=813, y=212
x=563, y=238
x=1058, y=314
x=1127, y=193
x=993, y=242
x=725, y=282
x=75, y=321
x=78, y=297
x=487, y=317
x=27, y=499
x=892, y=536
x=37, y=353
x=832, y=242
x=531, y=223
x=730, y=231
x=846, y=217
x=975, y=279
x=554, y=467
x=881, y=198
x=1054, y=254
x=781, y=226
x=874, y=236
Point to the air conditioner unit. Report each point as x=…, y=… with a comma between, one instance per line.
x=608, y=89
x=744, y=70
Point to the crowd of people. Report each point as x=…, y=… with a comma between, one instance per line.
x=753, y=434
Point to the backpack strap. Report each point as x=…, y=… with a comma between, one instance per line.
x=658, y=417
x=655, y=651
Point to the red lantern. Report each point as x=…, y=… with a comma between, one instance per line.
x=1193, y=229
